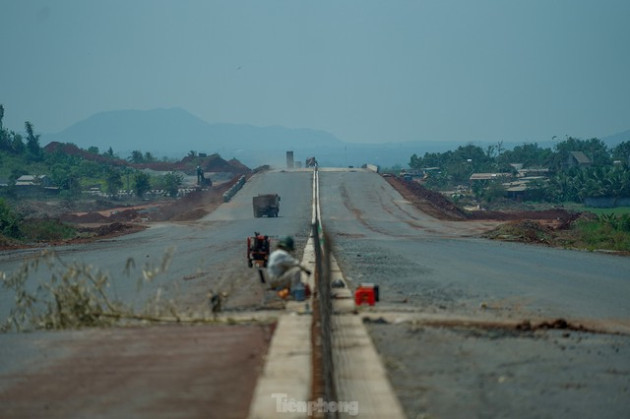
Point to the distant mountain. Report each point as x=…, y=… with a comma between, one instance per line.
x=174, y=132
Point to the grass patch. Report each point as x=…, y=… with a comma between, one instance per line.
x=605, y=232
x=76, y=295
x=618, y=211
x=608, y=232
x=46, y=230
x=15, y=227
x=573, y=206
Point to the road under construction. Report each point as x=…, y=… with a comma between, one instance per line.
x=464, y=326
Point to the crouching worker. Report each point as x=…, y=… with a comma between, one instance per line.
x=283, y=269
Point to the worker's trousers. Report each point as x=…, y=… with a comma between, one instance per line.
x=287, y=280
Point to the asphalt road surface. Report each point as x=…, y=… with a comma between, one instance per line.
x=156, y=371
x=445, y=323
x=205, y=255
x=449, y=303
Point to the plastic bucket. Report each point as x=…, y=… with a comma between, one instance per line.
x=299, y=294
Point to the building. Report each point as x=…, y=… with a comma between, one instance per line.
x=578, y=159
x=489, y=176
x=33, y=180
x=32, y=185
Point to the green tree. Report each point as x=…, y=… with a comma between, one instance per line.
x=621, y=152
x=430, y=160
x=495, y=191
x=148, y=157
x=126, y=173
x=136, y=157
x=91, y=169
x=6, y=142
x=9, y=221
x=171, y=182
x=67, y=179
x=17, y=145
x=530, y=155
x=561, y=188
x=5, y=138
x=142, y=184
x=32, y=143
x=458, y=165
x=113, y=182
x=476, y=159
x=595, y=149
x=577, y=184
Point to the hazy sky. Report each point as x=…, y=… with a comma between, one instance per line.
x=366, y=71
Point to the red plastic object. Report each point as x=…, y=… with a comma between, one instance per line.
x=364, y=295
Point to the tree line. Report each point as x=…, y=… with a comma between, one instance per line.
x=607, y=175
x=72, y=173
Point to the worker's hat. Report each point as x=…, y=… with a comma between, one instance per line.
x=287, y=243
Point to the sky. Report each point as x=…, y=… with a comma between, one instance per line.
x=366, y=71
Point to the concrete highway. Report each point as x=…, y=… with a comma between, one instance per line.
x=448, y=298
x=209, y=254
x=436, y=265
x=449, y=303
x=156, y=370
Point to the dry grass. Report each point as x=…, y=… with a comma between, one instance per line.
x=76, y=296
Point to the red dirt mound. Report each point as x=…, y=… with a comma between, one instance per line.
x=431, y=202
x=73, y=150
x=437, y=205
x=212, y=163
x=193, y=206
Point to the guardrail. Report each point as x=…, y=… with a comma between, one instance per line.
x=227, y=195
x=323, y=385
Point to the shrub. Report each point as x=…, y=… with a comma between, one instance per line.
x=47, y=230
x=606, y=232
x=9, y=221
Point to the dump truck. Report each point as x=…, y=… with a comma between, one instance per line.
x=266, y=204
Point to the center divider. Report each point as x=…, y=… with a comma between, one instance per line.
x=317, y=355
x=323, y=386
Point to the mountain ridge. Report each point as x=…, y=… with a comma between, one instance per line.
x=174, y=132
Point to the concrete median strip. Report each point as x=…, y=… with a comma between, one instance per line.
x=287, y=373
x=363, y=389
x=362, y=386
x=359, y=372
x=284, y=386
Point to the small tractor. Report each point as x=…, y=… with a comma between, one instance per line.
x=258, y=250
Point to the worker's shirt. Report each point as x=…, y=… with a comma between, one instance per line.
x=279, y=262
